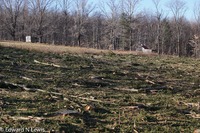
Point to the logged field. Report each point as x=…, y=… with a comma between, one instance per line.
x=97, y=91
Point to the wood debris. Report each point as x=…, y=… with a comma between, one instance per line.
x=6, y=121
x=148, y=81
x=190, y=105
x=47, y=64
x=130, y=107
x=26, y=78
x=88, y=99
x=22, y=109
x=197, y=131
x=32, y=118
x=126, y=89
x=194, y=115
x=28, y=89
x=154, y=91
x=66, y=112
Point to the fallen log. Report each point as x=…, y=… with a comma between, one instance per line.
x=88, y=99
x=32, y=118
x=126, y=89
x=194, y=115
x=49, y=64
x=26, y=78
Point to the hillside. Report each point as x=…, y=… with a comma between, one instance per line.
x=104, y=92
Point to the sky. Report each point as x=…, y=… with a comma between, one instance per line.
x=148, y=6
x=189, y=14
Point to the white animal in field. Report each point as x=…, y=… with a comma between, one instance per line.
x=145, y=49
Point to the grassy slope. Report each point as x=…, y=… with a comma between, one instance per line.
x=60, y=48
x=165, y=93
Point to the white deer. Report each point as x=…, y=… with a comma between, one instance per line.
x=145, y=49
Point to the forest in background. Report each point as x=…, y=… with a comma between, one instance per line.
x=116, y=25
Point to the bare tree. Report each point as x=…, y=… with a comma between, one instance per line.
x=1, y=23
x=111, y=12
x=178, y=8
x=97, y=30
x=197, y=13
x=159, y=14
x=24, y=20
x=166, y=36
x=12, y=9
x=197, y=29
x=81, y=14
x=39, y=11
x=129, y=8
x=65, y=20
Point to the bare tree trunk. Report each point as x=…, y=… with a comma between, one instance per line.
x=12, y=13
x=197, y=29
x=65, y=5
x=40, y=21
x=82, y=12
x=178, y=9
x=112, y=23
x=129, y=8
x=159, y=14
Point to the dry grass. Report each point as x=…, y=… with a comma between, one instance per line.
x=63, y=49
x=49, y=48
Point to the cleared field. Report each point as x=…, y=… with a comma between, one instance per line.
x=63, y=49
x=104, y=92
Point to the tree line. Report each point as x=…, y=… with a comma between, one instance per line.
x=114, y=24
